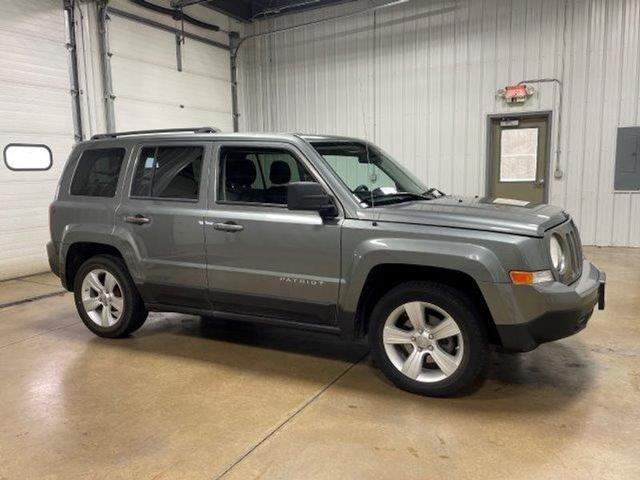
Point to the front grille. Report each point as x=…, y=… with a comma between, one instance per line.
x=570, y=239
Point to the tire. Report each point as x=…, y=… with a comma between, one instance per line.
x=403, y=347
x=125, y=309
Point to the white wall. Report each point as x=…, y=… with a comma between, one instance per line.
x=35, y=107
x=420, y=78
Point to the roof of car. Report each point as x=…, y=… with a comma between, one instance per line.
x=209, y=133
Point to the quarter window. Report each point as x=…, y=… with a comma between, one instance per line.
x=258, y=175
x=97, y=172
x=168, y=172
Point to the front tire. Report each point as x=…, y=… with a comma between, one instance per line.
x=107, y=299
x=428, y=338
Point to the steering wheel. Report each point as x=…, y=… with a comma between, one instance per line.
x=361, y=188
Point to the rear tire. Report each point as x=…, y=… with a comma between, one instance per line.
x=428, y=338
x=106, y=298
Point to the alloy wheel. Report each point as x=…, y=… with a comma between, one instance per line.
x=423, y=341
x=102, y=298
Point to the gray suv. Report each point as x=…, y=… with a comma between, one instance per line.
x=316, y=232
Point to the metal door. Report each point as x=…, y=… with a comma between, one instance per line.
x=519, y=158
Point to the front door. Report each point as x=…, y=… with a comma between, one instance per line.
x=162, y=214
x=518, y=158
x=263, y=259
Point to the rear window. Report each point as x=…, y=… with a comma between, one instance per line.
x=168, y=172
x=97, y=172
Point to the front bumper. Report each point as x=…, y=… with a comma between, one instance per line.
x=548, y=312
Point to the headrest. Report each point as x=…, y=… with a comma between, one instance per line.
x=241, y=172
x=280, y=173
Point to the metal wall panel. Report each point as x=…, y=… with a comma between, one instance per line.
x=419, y=79
x=35, y=107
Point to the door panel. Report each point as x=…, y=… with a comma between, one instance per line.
x=281, y=264
x=266, y=260
x=518, y=158
x=168, y=233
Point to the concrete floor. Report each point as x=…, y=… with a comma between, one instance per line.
x=190, y=399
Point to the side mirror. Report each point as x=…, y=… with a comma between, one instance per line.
x=310, y=196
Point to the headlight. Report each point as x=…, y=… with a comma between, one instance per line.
x=557, y=254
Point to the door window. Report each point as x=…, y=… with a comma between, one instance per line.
x=97, y=172
x=168, y=172
x=258, y=175
x=518, y=155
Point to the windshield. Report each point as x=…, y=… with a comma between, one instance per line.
x=372, y=176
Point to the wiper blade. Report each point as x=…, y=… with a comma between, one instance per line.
x=396, y=198
x=417, y=196
x=433, y=193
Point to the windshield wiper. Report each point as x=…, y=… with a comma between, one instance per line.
x=397, y=197
x=433, y=193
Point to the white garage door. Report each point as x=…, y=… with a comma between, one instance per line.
x=35, y=107
x=150, y=91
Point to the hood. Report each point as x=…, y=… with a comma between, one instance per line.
x=490, y=214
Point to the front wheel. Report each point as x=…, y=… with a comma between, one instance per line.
x=106, y=297
x=427, y=338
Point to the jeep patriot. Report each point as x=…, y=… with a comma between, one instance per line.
x=317, y=232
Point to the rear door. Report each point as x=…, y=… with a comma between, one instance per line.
x=263, y=259
x=162, y=215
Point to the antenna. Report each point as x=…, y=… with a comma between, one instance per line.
x=369, y=173
x=366, y=133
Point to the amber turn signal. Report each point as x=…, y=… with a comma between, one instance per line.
x=519, y=277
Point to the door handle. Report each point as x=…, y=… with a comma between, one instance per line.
x=228, y=227
x=137, y=219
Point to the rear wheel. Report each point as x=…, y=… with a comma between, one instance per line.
x=106, y=297
x=427, y=338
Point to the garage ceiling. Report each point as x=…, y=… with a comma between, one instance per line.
x=248, y=10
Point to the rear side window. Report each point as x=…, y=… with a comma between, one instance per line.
x=168, y=172
x=97, y=172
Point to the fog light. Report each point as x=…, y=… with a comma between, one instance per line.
x=529, y=278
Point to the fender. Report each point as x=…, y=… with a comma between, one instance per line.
x=479, y=262
x=106, y=235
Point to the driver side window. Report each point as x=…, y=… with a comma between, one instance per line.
x=258, y=175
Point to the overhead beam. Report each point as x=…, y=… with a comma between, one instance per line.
x=237, y=9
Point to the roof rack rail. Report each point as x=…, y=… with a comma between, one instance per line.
x=101, y=136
